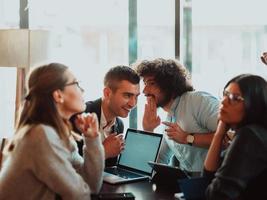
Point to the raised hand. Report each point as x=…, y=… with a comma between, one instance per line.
x=88, y=124
x=175, y=132
x=113, y=145
x=150, y=119
x=264, y=58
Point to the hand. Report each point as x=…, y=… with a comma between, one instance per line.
x=175, y=132
x=222, y=128
x=113, y=145
x=222, y=132
x=264, y=58
x=150, y=119
x=88, y=124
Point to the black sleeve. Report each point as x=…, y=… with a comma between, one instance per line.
x=120, y=126
x=208, y=174
x=245, y=160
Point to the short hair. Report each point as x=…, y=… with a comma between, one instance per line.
x=254, y=92
x=120, y=73
x=170, y=75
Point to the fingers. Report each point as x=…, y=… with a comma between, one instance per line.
x=152, y=104
x=264, y=58
x=114, y=145
x=89, y=122
x=167, y=123
x=170, y=124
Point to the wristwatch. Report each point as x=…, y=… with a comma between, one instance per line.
x=190, y=139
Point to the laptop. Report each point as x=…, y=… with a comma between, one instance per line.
x=168, y=171
x=140, y=148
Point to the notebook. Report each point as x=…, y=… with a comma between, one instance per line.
x=140, y=148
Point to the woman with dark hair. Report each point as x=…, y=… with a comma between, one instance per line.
x=42, y=160
x=244, y=167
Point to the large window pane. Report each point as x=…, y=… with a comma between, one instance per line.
x=155, y=21
x=228, y=39
x=7, y=101
x=9, y=18
x=90, y=36
x=9, y=14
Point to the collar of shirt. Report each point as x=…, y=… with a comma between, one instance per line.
x=171, y=114
x=105, y=127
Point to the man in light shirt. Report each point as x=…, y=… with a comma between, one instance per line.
x=192, y=115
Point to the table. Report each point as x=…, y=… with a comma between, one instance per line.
x=143, y=190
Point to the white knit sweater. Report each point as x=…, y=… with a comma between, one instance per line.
x=40, y=167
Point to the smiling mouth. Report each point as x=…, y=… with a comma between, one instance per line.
x=128, y=110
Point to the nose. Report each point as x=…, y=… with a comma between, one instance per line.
x=145, y=90
x=224, y=100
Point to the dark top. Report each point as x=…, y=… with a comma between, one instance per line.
x=118, y=127
x=243, y=172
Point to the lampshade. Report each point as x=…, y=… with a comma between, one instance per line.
x=23, y=48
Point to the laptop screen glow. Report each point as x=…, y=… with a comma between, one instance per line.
x=140, y=148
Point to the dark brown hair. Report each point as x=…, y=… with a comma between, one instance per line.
x=169, y=75
x=120, y=73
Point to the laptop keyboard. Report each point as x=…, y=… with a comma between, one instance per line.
x=122, y=173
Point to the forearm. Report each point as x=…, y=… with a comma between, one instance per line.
x=213, y=157
x=94, y=163
x=203, y=139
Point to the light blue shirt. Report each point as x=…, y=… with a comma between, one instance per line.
x=195, y=112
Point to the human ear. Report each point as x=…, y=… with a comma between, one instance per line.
x=107, y=92
x=58, y=96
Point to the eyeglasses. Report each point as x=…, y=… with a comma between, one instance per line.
x=233, y=98
x=74, y=83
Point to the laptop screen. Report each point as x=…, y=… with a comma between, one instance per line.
x=140, y=147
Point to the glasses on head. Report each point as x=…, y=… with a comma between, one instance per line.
x=74, y=83
x=232, y=98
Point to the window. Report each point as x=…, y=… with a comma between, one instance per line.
x=156, y=34
x=227, y=39
x=89, y=36
x=7, y=102
x=9, y=18
x=9, y=14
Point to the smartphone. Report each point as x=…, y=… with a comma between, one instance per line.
x=113, y=196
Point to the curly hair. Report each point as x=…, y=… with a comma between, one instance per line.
x=170, y=76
